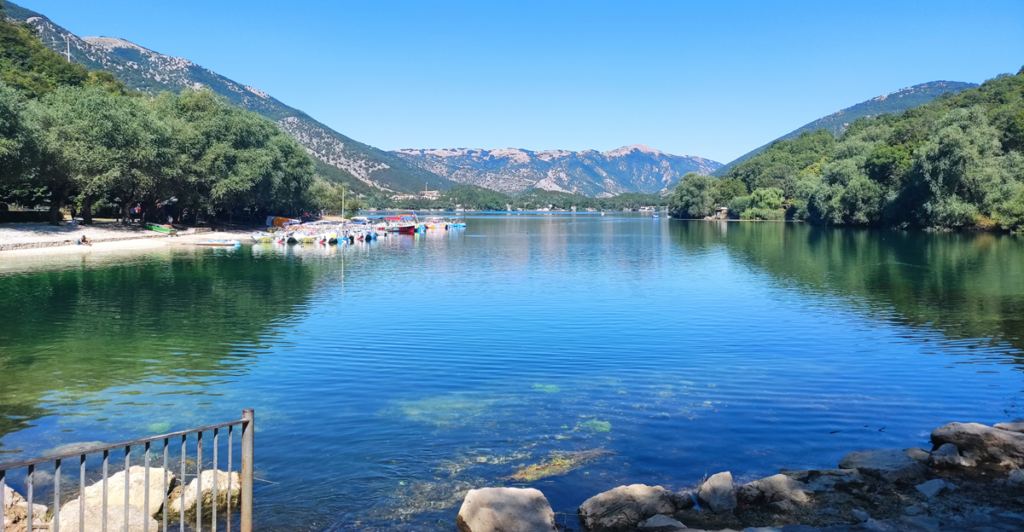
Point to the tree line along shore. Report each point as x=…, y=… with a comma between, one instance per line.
x=956, y=162
x=71, y=139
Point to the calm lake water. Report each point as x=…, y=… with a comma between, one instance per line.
x=389, y=377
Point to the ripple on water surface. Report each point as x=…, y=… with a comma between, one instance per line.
x=570, y=353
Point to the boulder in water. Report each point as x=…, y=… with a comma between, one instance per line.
x=137, y=489
x=718, y=493
x=983, y=443
x=189, y=494
x=776, y=488
x=137, y=520
x=623, y=508
x=505, y=510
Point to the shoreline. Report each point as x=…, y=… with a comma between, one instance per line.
x=132, y=240
x=971, y=481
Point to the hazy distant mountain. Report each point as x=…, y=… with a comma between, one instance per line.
x=629, y=169
x=893, y=102
x=338, y=157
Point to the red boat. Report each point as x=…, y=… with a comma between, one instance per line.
x=405, y=224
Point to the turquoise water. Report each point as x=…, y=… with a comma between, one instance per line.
x=390, y=377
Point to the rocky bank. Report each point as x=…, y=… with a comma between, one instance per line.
x=972, y=480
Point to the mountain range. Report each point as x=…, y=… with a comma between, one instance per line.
x=893, y=102
x=598, y=174
x=366, y=168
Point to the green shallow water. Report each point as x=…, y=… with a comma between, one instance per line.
x=390, y=377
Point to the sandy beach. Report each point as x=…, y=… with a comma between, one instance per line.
x=111, y=242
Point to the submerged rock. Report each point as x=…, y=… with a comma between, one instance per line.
x=623, y=508
x=894, y=465
x=981, y=442
x=918, y=454
x=718, y=493
x=505, y=510
x=189, y=494
x=773, y=489
x=559, y=463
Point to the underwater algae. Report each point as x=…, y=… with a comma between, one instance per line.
x=558, y=463
x=594, y=425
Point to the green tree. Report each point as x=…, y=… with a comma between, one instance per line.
x=693, y=197
x=14, y=135
x=728, y=188
x=94, y=142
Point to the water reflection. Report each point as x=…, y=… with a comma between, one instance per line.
x=964, y=285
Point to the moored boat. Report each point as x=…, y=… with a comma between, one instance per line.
x=162, y=228
x=221, y=243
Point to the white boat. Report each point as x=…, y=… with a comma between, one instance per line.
x=219, y=243
x=262, y=237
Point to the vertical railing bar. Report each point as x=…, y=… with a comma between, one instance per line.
x=31, y=480
x=181, y=517
x=231, y=431
x=145, y=498
x=103, y=516
x=56, y=497
x=248, y=430
x=81, y=495
x=3, y=485
x=216, y=480
x=199, y=482
x=127, y=485
x=163, y=508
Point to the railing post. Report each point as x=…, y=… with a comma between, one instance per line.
x=248, y=429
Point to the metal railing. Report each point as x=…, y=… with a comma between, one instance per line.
x=245, y=489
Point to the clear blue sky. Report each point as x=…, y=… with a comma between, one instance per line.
x=714, y=79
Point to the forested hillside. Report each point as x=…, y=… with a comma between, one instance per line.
x=891, y=103
x=953, y=163
x=338, y=157
x=69, y=137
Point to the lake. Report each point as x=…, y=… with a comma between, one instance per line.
x=389, y=377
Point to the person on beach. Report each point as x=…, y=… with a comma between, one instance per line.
x=85, y=241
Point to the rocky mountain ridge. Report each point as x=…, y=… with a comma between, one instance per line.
x=636, y=168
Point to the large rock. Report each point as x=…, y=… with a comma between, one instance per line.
x=505, y=510
x=947, y=456
x=776, y=488
x=137, y=520
x=190, y=491
x=624, y=507
x=894, y=465
x=137, y=488
x=718, y=493
x=1016, y=425
x=981, y=442
x=825, y=479
x=15, y=512
x=660, y=523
